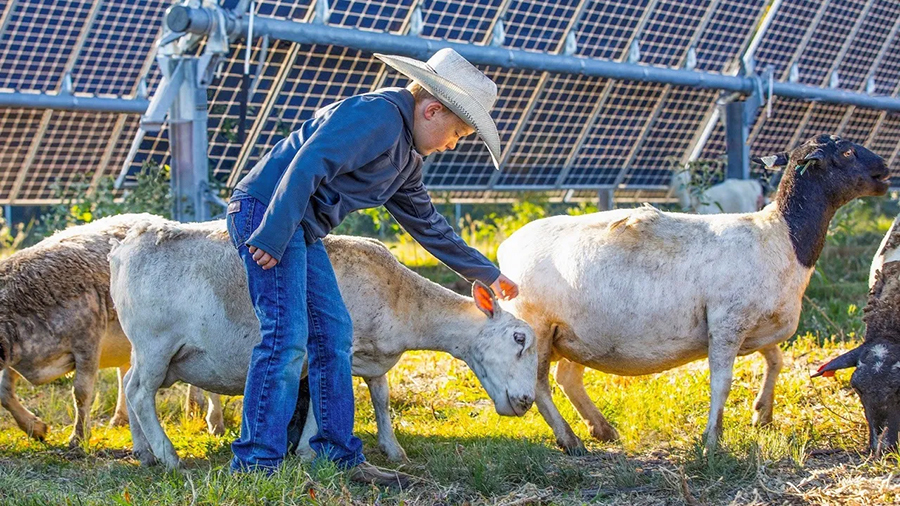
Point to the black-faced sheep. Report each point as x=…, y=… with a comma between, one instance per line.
x=639, y=291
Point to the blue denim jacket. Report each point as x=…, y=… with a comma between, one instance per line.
x=355, y=154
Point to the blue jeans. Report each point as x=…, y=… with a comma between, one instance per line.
x=300, y=311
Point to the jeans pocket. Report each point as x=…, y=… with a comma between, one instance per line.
x=239, y=219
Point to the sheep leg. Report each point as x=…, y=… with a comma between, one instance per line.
x=570, y=377
x=565, y=436
x=310, y=428
x=215, y=420
x=83, y=393
x=120, y=417
x=194, y=401
x=722, y=353
x=765, y=401
x=26, y=420
x=379, y=390
x=149, y=372
x=140, y=446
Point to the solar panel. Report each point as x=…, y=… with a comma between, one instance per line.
x=34, y=52
x=558, y=132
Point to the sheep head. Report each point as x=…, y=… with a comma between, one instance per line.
x=504, y=356
x=845, y=169
x=877, y=361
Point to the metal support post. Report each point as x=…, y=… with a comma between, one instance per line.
x=606, y=199
x=189, y=144
x=740, y=115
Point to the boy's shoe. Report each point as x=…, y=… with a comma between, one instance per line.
x=367, y=473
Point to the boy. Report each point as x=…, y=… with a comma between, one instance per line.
x=362, y=152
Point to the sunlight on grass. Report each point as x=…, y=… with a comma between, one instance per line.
x=813, y=452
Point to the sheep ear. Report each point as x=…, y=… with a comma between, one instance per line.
x=484, y=298
x=844, y=361
x=773, y=161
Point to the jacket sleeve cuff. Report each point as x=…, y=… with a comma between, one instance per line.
x=272, y=250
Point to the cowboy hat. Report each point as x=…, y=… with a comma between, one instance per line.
x=458, y=85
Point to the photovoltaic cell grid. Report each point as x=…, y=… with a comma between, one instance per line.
x=552, y=131
x=666, y=124
x=18, y=128
x=123, y=33
x=33, y=51
x=80, y=139
x=459, y=21
x=598, y=161
x=566, y=105
x=530, y=26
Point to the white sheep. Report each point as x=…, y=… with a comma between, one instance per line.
x=639, y=291
x=181, y=295
x=729, y=196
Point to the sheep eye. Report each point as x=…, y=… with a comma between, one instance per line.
x=849, y=153
x=519, y=337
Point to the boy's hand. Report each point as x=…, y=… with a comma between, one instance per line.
x=505, y=288
x=265, y=260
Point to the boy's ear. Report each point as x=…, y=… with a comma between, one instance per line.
x=432, y=108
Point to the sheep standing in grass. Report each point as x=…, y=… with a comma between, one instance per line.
x=180, y=295
x=56, y=316
x=639, y=291
x=729, y=196
x=877, y=361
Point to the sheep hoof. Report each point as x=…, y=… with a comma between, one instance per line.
x=75, y=442
x=605, y=433
x=146, y=458
x=396, y=455
x=762, y=417
x=118, y=420
x=39, y=430
x=217, y=429
x=575, y=450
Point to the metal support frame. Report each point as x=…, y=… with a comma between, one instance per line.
x=740, y=115
x=417, y=47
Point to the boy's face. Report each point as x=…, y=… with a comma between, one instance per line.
x=436, y=128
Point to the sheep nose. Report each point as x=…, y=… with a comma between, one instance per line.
x=524, y=402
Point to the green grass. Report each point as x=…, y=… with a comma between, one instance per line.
x=468, y=454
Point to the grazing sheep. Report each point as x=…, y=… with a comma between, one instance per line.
x=729, y=196
x=639, y=291
x=888, y=250
x=877, y=361
x=181, y=295
x=57, y=317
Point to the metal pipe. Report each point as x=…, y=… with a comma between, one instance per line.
x=16, y=100
x=196, y=21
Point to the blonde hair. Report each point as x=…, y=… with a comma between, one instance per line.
x=418, y=92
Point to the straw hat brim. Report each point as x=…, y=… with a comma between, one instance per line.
x=455, y=98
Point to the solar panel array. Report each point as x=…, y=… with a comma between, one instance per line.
x=564, y=135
